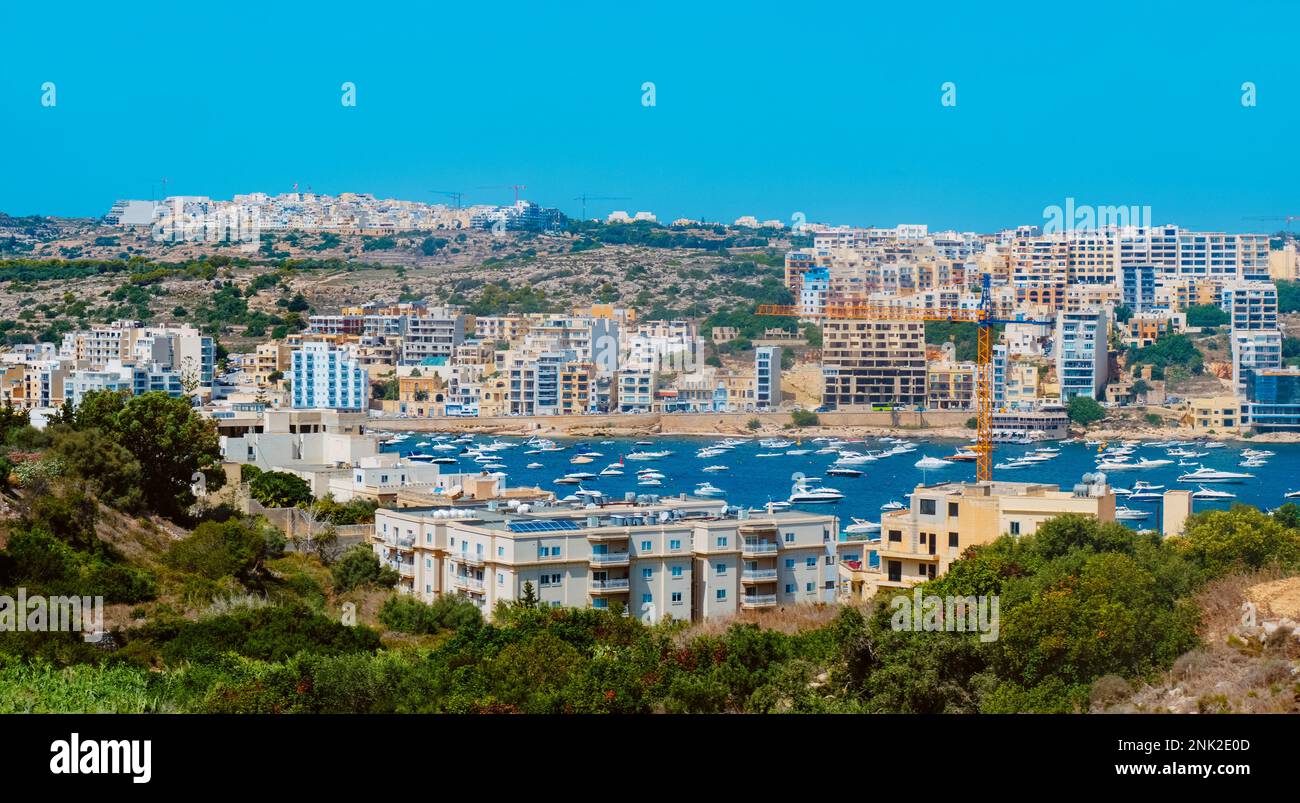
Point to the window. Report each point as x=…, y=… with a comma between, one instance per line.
x=453, y=540
x=789, y=538
x=952, y=509
x=895, y=535
x=677, y=597
x=952, y=539
x=927, y=507
x=600, y=602
x=921, y=537
x=720, y=594
x=428, y=563
x=428, y=538
x=675, y=545
x=543, y=551
x=646, y=574
x=677, y=571
x=647, y=546
x=811, y=563
x=1015, y=528
x=645, y=598
x=501, y=579
x=789, y=563
x=830, y=560
x=789, y=588
x=720, y=568
x=722, y=541
x=808, y=587
x=501, y=552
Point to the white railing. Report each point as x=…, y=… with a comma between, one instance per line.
x=610, y=557
x=759, y=548
x=468, y=582
x=754, y=600
x=607, y=585
x=755, y=575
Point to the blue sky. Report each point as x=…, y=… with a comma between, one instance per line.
x=832, y=110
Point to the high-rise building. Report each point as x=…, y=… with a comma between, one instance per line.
x=1082, y=358
x=767, y=377
x=326, y=377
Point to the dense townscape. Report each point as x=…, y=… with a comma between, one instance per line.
x=295, y=494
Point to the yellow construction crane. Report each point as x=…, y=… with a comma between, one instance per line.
x=984, y=322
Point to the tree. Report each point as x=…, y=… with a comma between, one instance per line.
x=279, y=489
x=803, y=418
x=360, y=567
x=107, y=467
x=527, y=597
x=234, y=548
x=1083, y=410
x=1240, y=539
x=172, y=443
x=1206, y=315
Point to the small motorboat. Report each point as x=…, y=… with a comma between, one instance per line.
x=892, y=505
x=1211, y=493
x=534, y=465
x=932, y=462
x=862, y=526
x=843, y=471
x=715, y=469
x=708, y=489
x=1131, y=514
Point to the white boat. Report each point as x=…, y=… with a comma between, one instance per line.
x=1158, y=463
x=446, y=461
x=797, y=452
x=806, y=493
x=862, y=526
x=444, y=447
x=1143, y=485
x=1012, y=464
x=581, y=475
x=1131, y=514
x=589, y=494
x=775, y=443
x=422, y=443
x=422, y=457
x=892, y=506
x=1204, y=474
x=534, y=465
x=854, y=458
x=770, y=454
x=708, y=489
x=1144, y=496
x=1210, y=493
x=646, y=455
x=611, y=471
x=649, y=482
x=843, y=471
x=714, y=468
x=1111, y=465
x=932, y=462
x=1293, y=494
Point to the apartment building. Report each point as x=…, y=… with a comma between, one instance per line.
x=1273, y=400
x=1251, y=305
x=662, y=346
x=635, y=391
x=1213, y=414
x=867, y=364
x=684, y=558
x=1082, y=359
x=1254, y=350
x=950, y=386
x=1145, y=328
x=327, y=377
x=124, y=342
x=1138, y=286
x=920, y=542
x=576, y=388
x=767, y=377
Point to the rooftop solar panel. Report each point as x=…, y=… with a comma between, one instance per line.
x=542, y=526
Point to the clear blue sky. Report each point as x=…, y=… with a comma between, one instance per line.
x=766, y=109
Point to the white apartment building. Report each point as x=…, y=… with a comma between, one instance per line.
x=680, y=558
x=1082, y=359
x=327, y=377
x=1254, y=350
x=663, y=346
x=1252, y=305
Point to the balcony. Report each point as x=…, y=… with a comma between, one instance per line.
x=758, y=601
x=610, y=558
x=403, y=568
x=758, y=548
x=615, y=586
x=758, y=576
x=468, y=559
x=468, y=583
x=606, y=534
